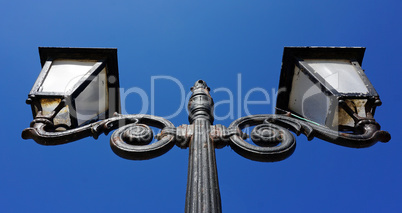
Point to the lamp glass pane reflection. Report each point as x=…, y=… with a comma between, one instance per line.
x=93, y=100
x=315, y=80
x=85, y=79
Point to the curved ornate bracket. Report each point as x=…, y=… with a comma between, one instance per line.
x=276, y=143
x=130, y=141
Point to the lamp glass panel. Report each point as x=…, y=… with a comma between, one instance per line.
x=339, y=74
x=307, y=99
x=64, y=74
x=93, y=100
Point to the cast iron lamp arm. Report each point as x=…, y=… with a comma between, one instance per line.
x=367, y=131
x=43, y=132
x=275, y=142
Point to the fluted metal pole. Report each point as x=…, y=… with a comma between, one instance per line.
x=202, y=183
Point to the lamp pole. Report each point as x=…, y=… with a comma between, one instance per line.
x=271, y=135
x=202, y=184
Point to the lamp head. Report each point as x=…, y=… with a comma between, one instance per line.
x=83, y=80
x=326, y=85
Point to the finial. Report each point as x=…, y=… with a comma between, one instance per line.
x=200, y=84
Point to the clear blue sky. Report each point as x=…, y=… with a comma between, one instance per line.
x=190, y=40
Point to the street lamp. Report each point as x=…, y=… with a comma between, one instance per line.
x=323, y=93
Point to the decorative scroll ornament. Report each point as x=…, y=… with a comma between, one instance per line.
x=131, y=140
x=275, y=142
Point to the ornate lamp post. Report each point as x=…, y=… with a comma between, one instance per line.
x=324, y=93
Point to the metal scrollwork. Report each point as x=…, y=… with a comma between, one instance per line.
x=133, y=141
x=275, y=142
x=137, y=134
x=267, y=135
x=367, y=132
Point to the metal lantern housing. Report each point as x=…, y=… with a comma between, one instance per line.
x=326, y=85
x=76, y=85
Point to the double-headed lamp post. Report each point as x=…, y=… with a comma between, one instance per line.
x=323, y=92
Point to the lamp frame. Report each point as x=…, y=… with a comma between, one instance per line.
x=103, y=57
x=294, y=57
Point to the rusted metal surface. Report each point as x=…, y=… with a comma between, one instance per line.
x=221, y=135
x=184, y=133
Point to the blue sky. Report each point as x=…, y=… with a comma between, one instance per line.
x=216, y=41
